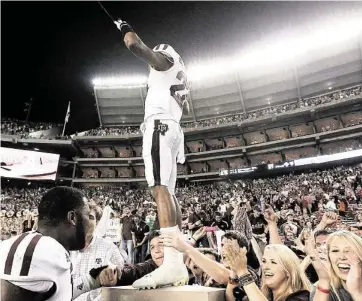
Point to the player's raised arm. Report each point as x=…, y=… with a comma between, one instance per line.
x=156, y=60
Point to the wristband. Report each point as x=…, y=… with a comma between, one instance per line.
x=125, y=28
x=246, y=279
x=323, y=290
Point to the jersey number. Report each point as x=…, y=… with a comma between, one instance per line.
x=181, y=76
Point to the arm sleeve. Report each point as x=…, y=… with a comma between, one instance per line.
x=84, y=284
x=131, y=273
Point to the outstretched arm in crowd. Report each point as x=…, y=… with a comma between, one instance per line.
x=214, y=269
x=305, y=263
x=321, y=293
x=271, y=219
x=329, y=218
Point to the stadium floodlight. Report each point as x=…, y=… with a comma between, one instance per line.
x=280, y=53
x=210, y=69
x=126, y=82
x=285, y=51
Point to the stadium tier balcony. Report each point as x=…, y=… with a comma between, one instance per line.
x=300, y=130
x=231, y=142
x=341, y=146
x=311, y=102
x=91, y=152
x=195, y=146
x=90, y=173
x=124, y=152
x=255, y=138
x=277, y=134
x=328, y=124
x=124, y=172
x=237, y=162
x=181, y=169
x=352, y=119
x=265, y=159
x=107, y=172
x=107, y=152
x=212, y=144
x=216, y=165
x=299, y=153
x=140, y=171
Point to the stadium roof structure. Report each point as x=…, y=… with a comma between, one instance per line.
x=243, y=86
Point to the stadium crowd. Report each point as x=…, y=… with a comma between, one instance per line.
x=22, y=128
x=303, y=193
x=249, y=231
x=261, y=113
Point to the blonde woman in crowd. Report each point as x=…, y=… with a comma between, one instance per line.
x=342, y=279
x=282, y=279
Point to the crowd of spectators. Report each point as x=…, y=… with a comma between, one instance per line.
x=272, y=229
x=22, y=128
x=257, y=114
x=305, y=191
x=119, y=131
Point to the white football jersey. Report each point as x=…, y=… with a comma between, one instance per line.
x=35, y=262
x=167, y=89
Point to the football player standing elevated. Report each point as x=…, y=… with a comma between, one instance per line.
x=166, y=100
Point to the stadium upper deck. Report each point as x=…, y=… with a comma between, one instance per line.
x=120, y=102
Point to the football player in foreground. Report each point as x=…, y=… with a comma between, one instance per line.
x=36, y=264
x=163, y=146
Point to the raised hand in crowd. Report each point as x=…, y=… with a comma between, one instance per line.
x=354, y=278
x=235, y=257
x=271, y=218
x=329, y=218
x=269, y=215
x=320, y=266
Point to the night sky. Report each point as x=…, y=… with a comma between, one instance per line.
x=51, y=51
